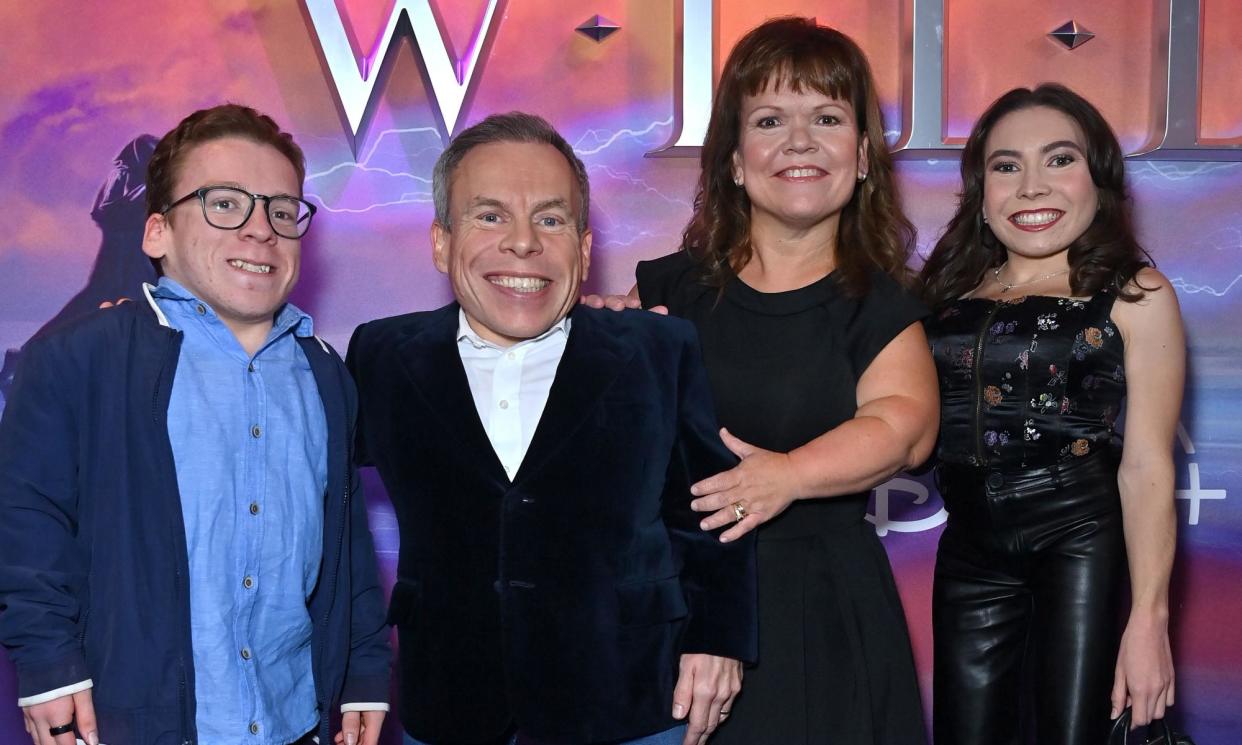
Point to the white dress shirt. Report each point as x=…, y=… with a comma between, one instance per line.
x=510, y=385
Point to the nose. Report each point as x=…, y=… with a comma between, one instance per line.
x=1033, y=183
x=522, y=240
x=799, y=139
x=257, y=226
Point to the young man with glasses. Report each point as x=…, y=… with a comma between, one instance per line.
x=183, y=554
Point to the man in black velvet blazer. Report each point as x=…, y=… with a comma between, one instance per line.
x=554, y=586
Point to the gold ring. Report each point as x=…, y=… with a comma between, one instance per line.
x=738, y=512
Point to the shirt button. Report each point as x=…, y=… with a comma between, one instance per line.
x=511, y=356
x=254, y=508
x=248, y=582
x=250, y=367
x=202, y=310
x=255, y=431
x=245, y=653
x=504, y=404
x=254, y=728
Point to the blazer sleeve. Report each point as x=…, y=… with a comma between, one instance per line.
x=43, y=562
x=368, y=672
x=718, y=578
x=354, y=358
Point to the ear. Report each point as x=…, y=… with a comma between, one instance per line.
x=156, y=236
x=441, y=239
x=864, y=165
x=584, y=246
x=736, y=169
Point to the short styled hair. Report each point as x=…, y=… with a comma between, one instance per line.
x=206, y=125
x=515, y=126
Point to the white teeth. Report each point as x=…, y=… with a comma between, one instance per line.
x=1036, y=218
x=248, y=267
x=801, y=172
x=521, y=284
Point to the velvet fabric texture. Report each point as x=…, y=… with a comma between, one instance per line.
x=559, y=602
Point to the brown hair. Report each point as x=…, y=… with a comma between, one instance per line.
x=515, y=126
x=1106, y=256
x=205, y=125
x=795, y=52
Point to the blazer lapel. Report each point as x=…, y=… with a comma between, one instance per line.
x=592, y=360
x=434, y=368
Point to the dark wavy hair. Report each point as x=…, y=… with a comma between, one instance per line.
x=1107, y=256
x=796, y=52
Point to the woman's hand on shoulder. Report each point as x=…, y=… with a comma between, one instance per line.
x=620, y=302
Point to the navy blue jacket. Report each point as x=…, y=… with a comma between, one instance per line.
x=561, y=600
x=93, y=564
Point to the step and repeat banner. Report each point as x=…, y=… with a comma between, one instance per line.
x=371, y=89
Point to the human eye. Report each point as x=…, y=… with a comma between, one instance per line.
x=830, y=120
x=767, y=122
x=283, y=210
x=550, y=222
x=1005, y=166
x=488, y=218
x=1060, y=160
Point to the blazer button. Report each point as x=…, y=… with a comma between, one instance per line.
x=995, y=480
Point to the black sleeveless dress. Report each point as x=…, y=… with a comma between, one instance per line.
x=835, y=665
x=1030, y=562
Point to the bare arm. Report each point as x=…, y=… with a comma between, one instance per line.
x=1155, y=362
x=894, y=428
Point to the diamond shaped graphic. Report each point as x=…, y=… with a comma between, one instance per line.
x=598, y=28
x=1072, y=34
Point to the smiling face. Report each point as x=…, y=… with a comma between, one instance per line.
x=1038, y=194
x=245, y=275
x=513, y=252
x=799, y=156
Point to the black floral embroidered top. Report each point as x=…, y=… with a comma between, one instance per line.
x=1028, y=382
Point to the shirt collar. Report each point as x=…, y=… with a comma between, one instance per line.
x=288, y=318
x=466, y=333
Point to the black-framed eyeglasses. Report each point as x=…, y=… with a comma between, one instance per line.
x=228, y=208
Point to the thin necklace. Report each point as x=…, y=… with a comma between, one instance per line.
x=1006, y=287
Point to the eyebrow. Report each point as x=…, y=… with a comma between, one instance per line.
x=550, y=204
x=1042, y=151
x=486, y=202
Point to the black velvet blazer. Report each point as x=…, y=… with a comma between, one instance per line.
x=562, y=600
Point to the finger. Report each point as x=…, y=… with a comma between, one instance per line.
x=1158, y=709
x=1170, y=696
x=372, y=725
x=682, y=694
x=1118, y=695
x=739, y=447
x=748, y=523
x=661, y=309
x=593, y=301
x=84, y=712
x=351, y=722
x=725, y=516
x=1140, y=707
x=106, y=304
x=698, y=715
x=713, y=485
x=615, y=302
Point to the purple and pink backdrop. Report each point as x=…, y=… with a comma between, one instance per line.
x=82, y=81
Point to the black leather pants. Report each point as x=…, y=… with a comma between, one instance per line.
x=1025, y=598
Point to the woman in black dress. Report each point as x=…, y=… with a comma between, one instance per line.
x=1047, y=315
x=792, y=270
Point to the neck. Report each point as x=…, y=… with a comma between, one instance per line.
x=250, y=335
x=1019, y=269
x=785, y=257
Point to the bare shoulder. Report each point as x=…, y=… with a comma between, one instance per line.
x=1156, y=311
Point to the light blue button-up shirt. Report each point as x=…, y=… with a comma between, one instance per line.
x=249, y=439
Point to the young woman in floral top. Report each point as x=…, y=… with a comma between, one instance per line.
x=1046, y=318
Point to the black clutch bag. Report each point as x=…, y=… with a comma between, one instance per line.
x=1158, y=733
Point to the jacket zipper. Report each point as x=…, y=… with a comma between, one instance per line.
x=977, y=364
